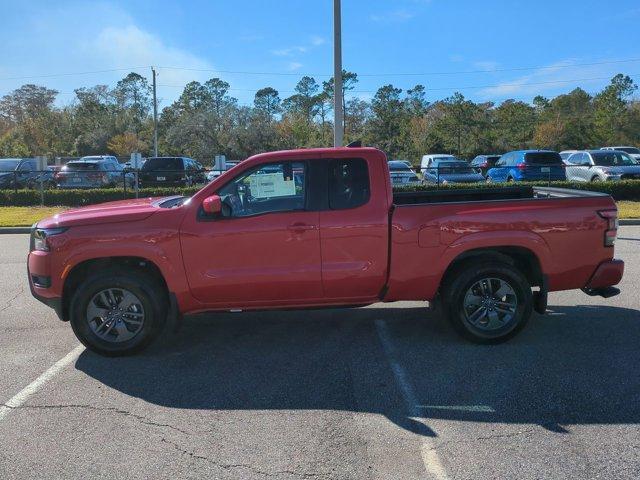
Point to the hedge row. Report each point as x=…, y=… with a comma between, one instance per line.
x=621, y=190
x=75, y=198
x=624, y=190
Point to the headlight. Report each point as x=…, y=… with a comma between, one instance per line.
x=39, y=237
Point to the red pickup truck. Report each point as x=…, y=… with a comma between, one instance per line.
x=317, y=228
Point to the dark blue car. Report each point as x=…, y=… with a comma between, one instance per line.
x=528, y=165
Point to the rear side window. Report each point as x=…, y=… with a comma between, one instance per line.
x=348, y=183
x=543, y=158
x=163, y=164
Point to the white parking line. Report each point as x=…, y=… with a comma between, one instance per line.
x=460, y=408
x=429, y=456
x=23, y=395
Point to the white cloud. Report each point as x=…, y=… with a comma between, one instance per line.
x=559, y=76
x=91, y=37
x=486, y=65
x=289, y=51
x=317, y=40
x=395, y=16
x=292, y=66
x=129, y=45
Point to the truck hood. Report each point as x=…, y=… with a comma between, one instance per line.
x=110, y=212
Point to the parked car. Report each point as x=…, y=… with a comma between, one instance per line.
x=634, y=152
x=528, y=165
x=448, y=171
x=17, y=172
x=171, y=172
x=402, y=174
x=565, y=154
x=484, y=162
x=601, y=165
x=94, y=172
x=213, y=174
x=427, y=160
x=45, y=178
x=254, y=240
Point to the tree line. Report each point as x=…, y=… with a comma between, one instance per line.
x=206, y=120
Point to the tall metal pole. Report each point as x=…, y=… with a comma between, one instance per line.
x=338, y=113
x=155, y=115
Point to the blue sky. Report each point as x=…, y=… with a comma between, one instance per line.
x=567, y=43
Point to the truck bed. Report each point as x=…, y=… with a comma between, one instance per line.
x=560, y=228
x=487, y=194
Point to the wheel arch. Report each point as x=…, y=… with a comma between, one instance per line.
x=523, y=258
x=82, y=269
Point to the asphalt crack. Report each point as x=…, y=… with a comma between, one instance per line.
x=126, y=413
x=243, y=466
x=12, y=299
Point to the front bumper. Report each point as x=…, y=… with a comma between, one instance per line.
x=53, y=302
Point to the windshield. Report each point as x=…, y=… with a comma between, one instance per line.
x=399, y=167
x=543, y=158
x=163, y=164
x=453, y=167
x=81, y=166
x=8, y=165
x=449, y=158
x=613, y=159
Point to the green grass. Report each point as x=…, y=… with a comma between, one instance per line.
x=27, y=216
x=629, y=209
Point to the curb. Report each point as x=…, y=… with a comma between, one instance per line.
x=629, y=221
x=15, y=230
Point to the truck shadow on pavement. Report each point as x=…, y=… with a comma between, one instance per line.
x=577, y=365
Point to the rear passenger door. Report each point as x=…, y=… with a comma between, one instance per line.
x=499, y=172
x=354, y=231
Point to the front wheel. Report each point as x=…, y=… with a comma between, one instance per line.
x=118, y=312
x=488, y=302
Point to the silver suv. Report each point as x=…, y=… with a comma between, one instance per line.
x=601, y=165
x=94, y=172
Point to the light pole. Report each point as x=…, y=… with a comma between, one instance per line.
x=338, y=113
x=155, y=115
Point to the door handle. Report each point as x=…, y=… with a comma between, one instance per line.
x=300, y=227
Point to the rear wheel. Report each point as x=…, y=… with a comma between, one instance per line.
x=596, y=179
x=488, y=302
x=117, y=312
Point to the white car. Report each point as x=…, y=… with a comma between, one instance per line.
x=428, y=160
x=565, y=154
x=634, y=152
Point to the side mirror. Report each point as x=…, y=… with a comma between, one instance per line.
x=212, y=205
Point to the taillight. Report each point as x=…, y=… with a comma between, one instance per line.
x=522, y=166
x=610, y=234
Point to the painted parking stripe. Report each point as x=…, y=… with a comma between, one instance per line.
x=460, y=408
x=429, y=456
x=23, y=395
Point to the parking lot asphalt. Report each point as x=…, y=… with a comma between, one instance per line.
x=383, y=392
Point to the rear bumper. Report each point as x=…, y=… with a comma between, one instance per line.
x=607, y=274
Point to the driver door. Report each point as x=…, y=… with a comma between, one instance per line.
x=264, y=249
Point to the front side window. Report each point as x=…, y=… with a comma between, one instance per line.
x=348, y=183
x=276, y=187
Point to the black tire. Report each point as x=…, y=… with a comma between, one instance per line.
x=464, y=279
x=596, y=179
x=148, y=290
